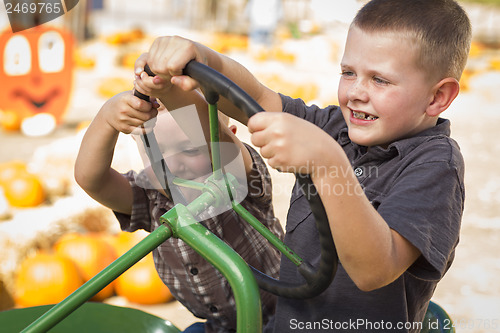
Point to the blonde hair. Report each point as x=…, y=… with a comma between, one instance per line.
x=440, y=29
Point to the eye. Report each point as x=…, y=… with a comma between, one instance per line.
x=51, y=52
x=380, y=80
x=191, y=151
x=17, y=56
x=347, y=74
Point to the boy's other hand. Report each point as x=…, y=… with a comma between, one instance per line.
x=126, y=112
x=167, y=58
x=290, y=144
x=154, y=86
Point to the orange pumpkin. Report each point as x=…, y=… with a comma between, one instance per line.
x=24, y=190
x=45, y=279
x=124, y=241
x=10, y=120
x=9, y=170
x=112, y=86
x=36, y=71
x=141, y=284
x=91, y=253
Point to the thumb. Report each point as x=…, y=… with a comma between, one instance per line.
x=184, y=82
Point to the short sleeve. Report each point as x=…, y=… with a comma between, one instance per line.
x=425, y=206
x=140, y=217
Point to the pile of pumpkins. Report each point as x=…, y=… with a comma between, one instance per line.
x=49, y=276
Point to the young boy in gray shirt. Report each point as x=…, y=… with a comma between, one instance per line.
x=389, y=175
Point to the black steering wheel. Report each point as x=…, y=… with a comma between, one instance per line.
x=213, y=85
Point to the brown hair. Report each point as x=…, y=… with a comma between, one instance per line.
x=440, y=29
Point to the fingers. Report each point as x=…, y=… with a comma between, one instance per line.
x=167, y=57
x=140, y=63
x=262, y=134
x=144, y=84
x=150, y=86
x=134, y=112
x=136, y=103
x=265, y=126
x=184, y=82
x=273, y=133
x=258, y=122
x=154, y=103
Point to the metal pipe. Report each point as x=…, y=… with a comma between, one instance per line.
x=226, y=261
x=264, y=231
x=98, y=282
x=214, y=140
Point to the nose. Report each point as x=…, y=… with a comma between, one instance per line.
x=357, y=91
x=36, y=79
x=36, y=76
x=175, y=164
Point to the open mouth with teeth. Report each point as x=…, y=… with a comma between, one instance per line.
x=363, y=116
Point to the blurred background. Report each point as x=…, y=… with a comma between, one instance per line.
x=65, y=69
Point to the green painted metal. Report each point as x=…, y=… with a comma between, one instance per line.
x=178, y=222
x=90, y=317
x=98, y=282
x=200, y=204
x=214, y=140
x=214, y=194
x=188, y=183
x=264, y=231
x=224, y=259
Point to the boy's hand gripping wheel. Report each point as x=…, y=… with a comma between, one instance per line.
x=213, y=85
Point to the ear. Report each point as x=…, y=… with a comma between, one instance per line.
x=233, y=128
x=444, y=92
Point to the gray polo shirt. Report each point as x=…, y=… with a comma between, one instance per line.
x=417, y=186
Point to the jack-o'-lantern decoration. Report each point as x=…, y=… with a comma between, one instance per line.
x=36, y=71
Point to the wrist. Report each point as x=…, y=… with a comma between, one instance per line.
x=103, y=121
x=209, y=57
x=332, y=166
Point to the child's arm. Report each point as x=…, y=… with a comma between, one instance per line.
x=371, y=253
x=122, y=113
x=167, y=58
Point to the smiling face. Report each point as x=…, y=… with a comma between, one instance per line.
x=36, y=69
x=183, y=156
x=186, y=156
x=382, y=93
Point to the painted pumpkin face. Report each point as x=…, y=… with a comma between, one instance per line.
x=36, y=71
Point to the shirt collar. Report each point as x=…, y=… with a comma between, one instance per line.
x=403, y=146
